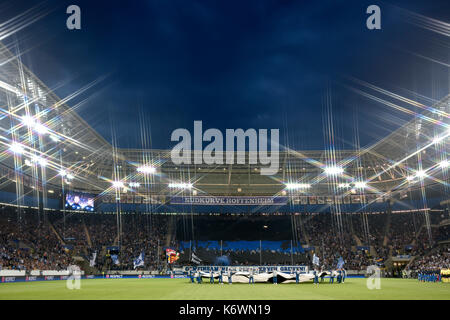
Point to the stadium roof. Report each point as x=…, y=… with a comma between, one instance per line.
x=71, y=147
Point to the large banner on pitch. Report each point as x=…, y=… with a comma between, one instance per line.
x=229, y=201
x=259, y=269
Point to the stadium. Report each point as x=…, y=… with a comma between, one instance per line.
x=83, y=218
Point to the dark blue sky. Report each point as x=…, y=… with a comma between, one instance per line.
x=236, y=64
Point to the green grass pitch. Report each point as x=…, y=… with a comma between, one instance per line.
x=174, y=289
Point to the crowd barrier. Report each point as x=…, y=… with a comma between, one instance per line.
x=9, y=279
x=35, y=273
x=7, y=276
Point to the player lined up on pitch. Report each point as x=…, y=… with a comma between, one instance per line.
x=275, y=275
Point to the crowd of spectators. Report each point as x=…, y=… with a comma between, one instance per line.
x=30, y=245
x=148, y=235
x=438, y=259
x=361, y=239
x=50, y=242
x=32, y=241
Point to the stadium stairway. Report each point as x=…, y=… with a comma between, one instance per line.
x=170, y=232
x=387, y=228
x=88, y=237
x=389, y=263
x=61, y=240
x=101, y=255
x=22, y=244
x=26, y=244
x=385, y=241
x=357, y=240
x=410, y=262
x=303, y=231
x=372, y=251
x=85, y=265
x=423, y=228
x=430, y=252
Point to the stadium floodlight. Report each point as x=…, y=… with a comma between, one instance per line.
x=344, y=185
x=40, y=128
x=410, y=178
x=134, y=184
x=360, y=185
x=117, y=184
x=146, y=169
x=421, y=174
x=296, y=186
x=444, y=164
x=69, y=176
x=62, y=173
x=42, y=161
x=438, y=139
x=180, y=185
x=28, y=121
x=28, y=163
x=333, y=170
x=16, y=148
x=54, y=138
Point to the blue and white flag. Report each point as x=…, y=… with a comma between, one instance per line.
x=139, y=261
x=92, y=261
x=195, y=259
x=115, y=259
x=340, y=263
x=316, y=260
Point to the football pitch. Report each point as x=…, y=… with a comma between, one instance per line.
x=180, y=289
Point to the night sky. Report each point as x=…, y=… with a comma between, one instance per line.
x=236, y=64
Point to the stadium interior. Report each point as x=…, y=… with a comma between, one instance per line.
x=67, y=194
